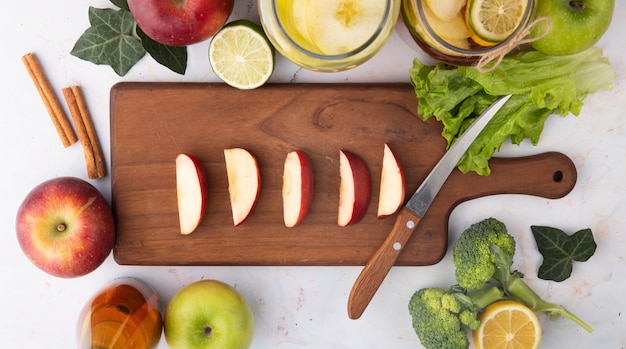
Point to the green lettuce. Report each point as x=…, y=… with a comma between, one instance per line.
x=541, y=86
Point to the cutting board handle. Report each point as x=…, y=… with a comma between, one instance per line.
x=551, y=175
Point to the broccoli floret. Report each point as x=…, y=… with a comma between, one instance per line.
x=475, y=264
x=440, y=317
x=484, y=253
x=483, y=256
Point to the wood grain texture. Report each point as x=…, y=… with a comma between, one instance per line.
x=151, y=123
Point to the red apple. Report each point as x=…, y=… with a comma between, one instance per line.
x=244, y=182
x=65, y=227
x=392, y=186
x=191, y=189
x=180, y=22
x=355, y=188
x=297, y=187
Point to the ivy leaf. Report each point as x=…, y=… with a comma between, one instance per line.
x=123, y=4
x=109, y=40
x=172, y=57
x=560, y=250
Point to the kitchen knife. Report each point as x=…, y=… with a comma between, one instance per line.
x=376, y=269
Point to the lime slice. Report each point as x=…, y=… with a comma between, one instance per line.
x=241, y=55
x=492, y=21
x=338, y=27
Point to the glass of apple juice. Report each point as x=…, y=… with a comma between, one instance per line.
x=328, y=35
x=125, y=314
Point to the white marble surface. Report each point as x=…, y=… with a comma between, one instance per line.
x=298, y=307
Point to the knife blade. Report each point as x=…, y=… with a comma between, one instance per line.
x=378, y=266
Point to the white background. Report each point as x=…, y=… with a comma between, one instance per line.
x=301, y=307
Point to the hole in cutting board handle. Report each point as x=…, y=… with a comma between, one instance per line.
x=557, y=176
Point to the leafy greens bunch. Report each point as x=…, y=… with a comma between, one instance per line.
x=541, y=85
x=483, y=256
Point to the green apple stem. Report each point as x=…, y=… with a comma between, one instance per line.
x=578, y=5
x=207, y=330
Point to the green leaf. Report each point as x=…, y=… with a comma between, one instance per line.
x=123, y=4
x=560, y=250
x=109, y=40
x=172, y=57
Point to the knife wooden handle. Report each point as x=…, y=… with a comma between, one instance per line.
x=378, y=266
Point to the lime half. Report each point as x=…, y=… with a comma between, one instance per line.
x=241, y=55
x=492, y=21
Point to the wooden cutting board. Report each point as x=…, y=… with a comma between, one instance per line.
x=151, y=123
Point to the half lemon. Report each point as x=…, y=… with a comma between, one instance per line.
x=507, y=325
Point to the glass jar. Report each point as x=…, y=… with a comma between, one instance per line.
x=124, y=314
x=438, y=48
x=328, y=35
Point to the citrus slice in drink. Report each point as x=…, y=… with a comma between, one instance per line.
x=507, y=325
x=241, y=55
x=492, y=21
x=338, y=27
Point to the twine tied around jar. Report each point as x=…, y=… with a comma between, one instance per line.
x=491, y=60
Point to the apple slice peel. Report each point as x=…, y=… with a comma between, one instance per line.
x=244, y=182
x=392, y=185
x=191, y=187
x=298, y=187
x=355, y=188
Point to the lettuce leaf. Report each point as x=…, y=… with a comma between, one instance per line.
x=541, y=86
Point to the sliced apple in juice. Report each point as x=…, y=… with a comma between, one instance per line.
x=244, y=182
x=447, y=9
x=392, y=185
x=297, y=190
x=355, y=188
x=337, y=27
x=191, y=188
x=292, y=16
x=454, y=29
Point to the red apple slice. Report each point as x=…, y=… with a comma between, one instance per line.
x=244, y=182
x=355, y=188
x=297, y=187
x=392, y=185
x=191, y=187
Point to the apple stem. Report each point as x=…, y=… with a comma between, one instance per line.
x=207, y=330
x=61, y=227
x=578, y=5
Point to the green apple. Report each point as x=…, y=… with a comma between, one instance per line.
x=576, y=25
x=208, y=314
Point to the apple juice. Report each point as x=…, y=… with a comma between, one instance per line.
x=328, y=35
x=125, y=314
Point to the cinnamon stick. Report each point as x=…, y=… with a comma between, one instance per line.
x=96, y=167
x=50, y=100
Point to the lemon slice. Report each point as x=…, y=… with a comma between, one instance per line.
x=492, y=21
x=338, y=27
x=241, y=55
x=507, y=325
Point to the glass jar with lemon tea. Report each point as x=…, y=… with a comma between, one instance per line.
x=328, y=35
x=125, y=314
x=464, y=31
